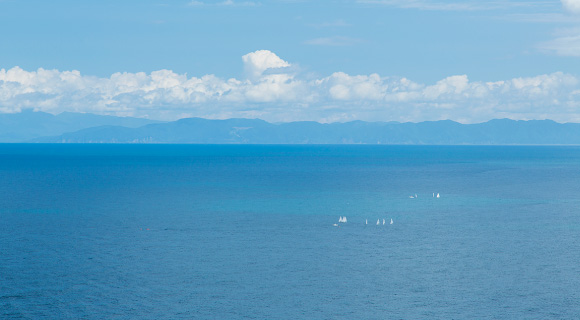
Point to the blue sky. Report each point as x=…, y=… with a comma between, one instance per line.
x=381, y=60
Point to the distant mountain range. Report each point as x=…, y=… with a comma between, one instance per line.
x=27, y=125
x=39, y=127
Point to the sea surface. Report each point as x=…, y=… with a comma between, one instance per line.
x=247, y=232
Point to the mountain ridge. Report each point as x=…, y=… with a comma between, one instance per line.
x=257, y=131
x=28, y=124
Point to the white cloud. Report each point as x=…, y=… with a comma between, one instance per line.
x=275, y=93
x=257, y=62
x=341, y=86
x=572, y=6
x=452, y=87
x=565, y=43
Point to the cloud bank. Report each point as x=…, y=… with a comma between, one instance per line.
x=273, y=91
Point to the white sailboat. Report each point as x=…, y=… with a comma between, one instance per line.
x=340, y=219
x=437, y=195
x=378, y=222
x=366, y=221
x=344, y=219
x=391, y=221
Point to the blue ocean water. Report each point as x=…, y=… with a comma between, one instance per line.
x=246, y=232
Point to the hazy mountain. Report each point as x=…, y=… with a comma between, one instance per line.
x=196, y=130
x=18, y=127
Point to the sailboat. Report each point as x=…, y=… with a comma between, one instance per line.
x=366, y=221
x=383, y=222
x=378, y=222
x=437, y=195
x=344, y=219
x=340, y=219
x=391, y=221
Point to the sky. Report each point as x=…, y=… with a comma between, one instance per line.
x=292, y=60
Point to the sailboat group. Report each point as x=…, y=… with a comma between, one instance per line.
x=342, y=219
x=379, y=222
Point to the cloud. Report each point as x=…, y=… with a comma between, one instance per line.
x=341, y=86
x=572, y=6
x=257, y=62
x=566, y=43
x=274, y=91
x=335, y=41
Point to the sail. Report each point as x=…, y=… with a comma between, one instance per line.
x=391, y=221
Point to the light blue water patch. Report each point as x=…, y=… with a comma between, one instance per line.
x=238, y=232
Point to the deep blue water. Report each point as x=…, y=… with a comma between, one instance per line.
x=246, y=232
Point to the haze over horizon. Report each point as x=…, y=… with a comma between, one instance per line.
x=283, y=61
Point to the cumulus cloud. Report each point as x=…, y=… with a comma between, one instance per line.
x=255, y=63
x=274, y=92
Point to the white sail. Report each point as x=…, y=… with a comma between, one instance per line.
x=366, y=221
x=344, y=219
x=391, y=221
x=383, y=222
x=437, y=195
x=378, y=222
x=340, y=219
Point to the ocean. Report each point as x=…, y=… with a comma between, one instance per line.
x=248, y=232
